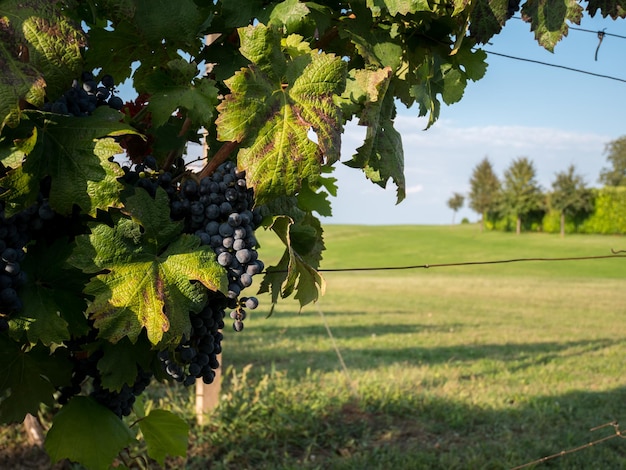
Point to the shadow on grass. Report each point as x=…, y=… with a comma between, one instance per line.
x=414, y=432
x=267, y=354
x=347, y=331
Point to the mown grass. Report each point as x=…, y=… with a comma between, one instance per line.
x=473, y=367
x=459, y=367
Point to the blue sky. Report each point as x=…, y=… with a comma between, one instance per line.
x=554, y=117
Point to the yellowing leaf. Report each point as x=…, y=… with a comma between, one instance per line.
x=549, y=19
x=297, y=268
x=271, y=115
x=146, y=280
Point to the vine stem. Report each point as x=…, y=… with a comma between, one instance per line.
x=171, y=156
x=220, y=157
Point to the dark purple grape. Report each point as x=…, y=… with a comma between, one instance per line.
x=116, y=103
x=107, y=81
x=225, y=259
x=90, y=86
x=251, y=303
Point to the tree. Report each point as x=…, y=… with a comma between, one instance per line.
x=615, y=175
x=521, y=193
x=455, y=203
x=570, y=195
x=484, y=190
x=117, y=273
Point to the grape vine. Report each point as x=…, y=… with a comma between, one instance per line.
x=118, y=263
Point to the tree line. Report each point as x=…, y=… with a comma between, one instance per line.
x=518, y=199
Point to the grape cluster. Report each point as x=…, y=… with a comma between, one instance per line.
x=196, y=357
x=219, y=210
x=85, y=96
x=16, y=232
x=239, y=314
x=85, y=366
x=121, y=403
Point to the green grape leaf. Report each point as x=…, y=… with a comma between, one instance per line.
x=612, y=8
x=297, y=268
x=379, y=48
x=55, y=45
x=53, y=309
x=290, y=14
x=447, y=77
x=151, y=31
x=453, y=84
x=114, y=50
x=29, y=378
x=472, y=62
x=425, y=94
x=381, y=156
x=18, y=81
x=398, y=7
x=75, y=153
x=310, y=200
x=237, y=13
x=487, y=19
x=18, y=142
x=148, y=273
x=271, y=116
x=86, y=432
x=165, y=434
x=173, y=86
x=175, y=24
x=364, y=92
x=549, y=19
x=119, y=363
x=38, y=41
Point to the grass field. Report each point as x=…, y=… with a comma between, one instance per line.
x=469, y=367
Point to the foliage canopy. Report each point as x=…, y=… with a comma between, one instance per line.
x=484, y=196
x=521, y=193
x=615, y=174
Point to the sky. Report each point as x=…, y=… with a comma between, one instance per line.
x=552, y=116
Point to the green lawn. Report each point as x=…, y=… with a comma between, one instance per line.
x=472, y=367
x=462, y=367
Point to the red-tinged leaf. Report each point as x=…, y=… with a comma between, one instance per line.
x=271, y=114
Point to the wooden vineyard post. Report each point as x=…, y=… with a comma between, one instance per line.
x=208, y=396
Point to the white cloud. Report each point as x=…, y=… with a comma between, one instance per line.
x=440, y=161
x=418, y=188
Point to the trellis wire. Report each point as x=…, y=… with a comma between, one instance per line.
x=614, y=424
x=615, y=254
